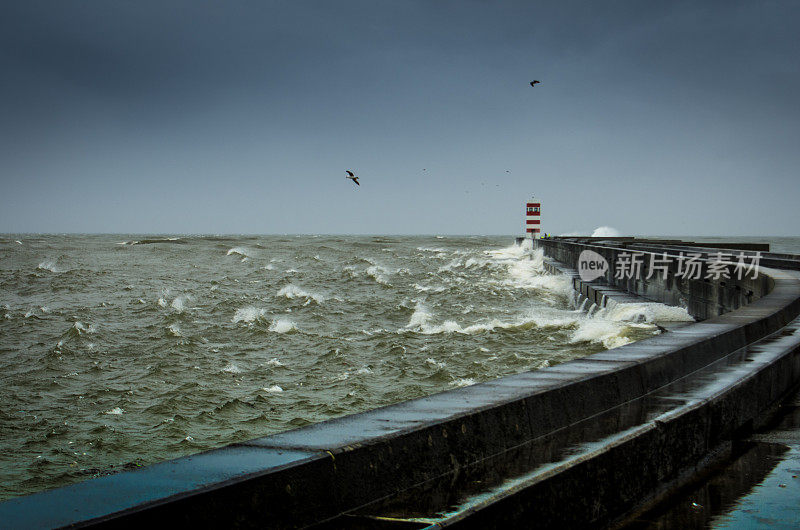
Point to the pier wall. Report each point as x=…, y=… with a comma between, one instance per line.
x=581, y=443
x=702, y=297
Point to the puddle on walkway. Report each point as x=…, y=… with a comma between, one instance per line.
x=759, y=488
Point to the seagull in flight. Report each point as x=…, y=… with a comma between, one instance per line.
x=352, y=177
x=535, y=82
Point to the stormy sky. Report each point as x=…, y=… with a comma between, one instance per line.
x=242, y=116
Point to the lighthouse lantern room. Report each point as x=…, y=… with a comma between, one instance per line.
x=533, y=224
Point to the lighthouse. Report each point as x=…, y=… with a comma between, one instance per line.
x=533, y=222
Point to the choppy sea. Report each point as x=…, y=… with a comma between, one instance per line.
x=120, y=351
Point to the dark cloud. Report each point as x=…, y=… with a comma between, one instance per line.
x=278, y=97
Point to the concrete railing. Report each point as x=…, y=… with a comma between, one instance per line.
x=572, y=443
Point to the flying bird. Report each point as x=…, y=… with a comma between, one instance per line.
x=535, y=82
x=351, y=176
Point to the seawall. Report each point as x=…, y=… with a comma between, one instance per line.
x=583, y=443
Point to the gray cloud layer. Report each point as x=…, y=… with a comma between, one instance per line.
x=676, y=118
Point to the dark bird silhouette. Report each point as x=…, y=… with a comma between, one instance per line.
x=352, y=177
x=535, y=82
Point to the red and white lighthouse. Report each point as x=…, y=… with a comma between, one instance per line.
x=533, y=221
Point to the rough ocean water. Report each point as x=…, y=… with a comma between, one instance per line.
x=120, y=351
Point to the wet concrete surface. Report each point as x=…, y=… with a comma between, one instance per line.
x=449, y=495
x=149, y=485
x=758, y=487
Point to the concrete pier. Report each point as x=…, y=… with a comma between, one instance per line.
x=585, y=443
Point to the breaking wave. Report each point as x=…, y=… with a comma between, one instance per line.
x=249, y=314
x=49, y=265
x=613, y=326
x=379, y=274
x=605, y=231
x=179, y=304
x=292, y=291
x=231, y=368
x=82, y=329
x=422, y=321
x=643, y=312
x=283, y=325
